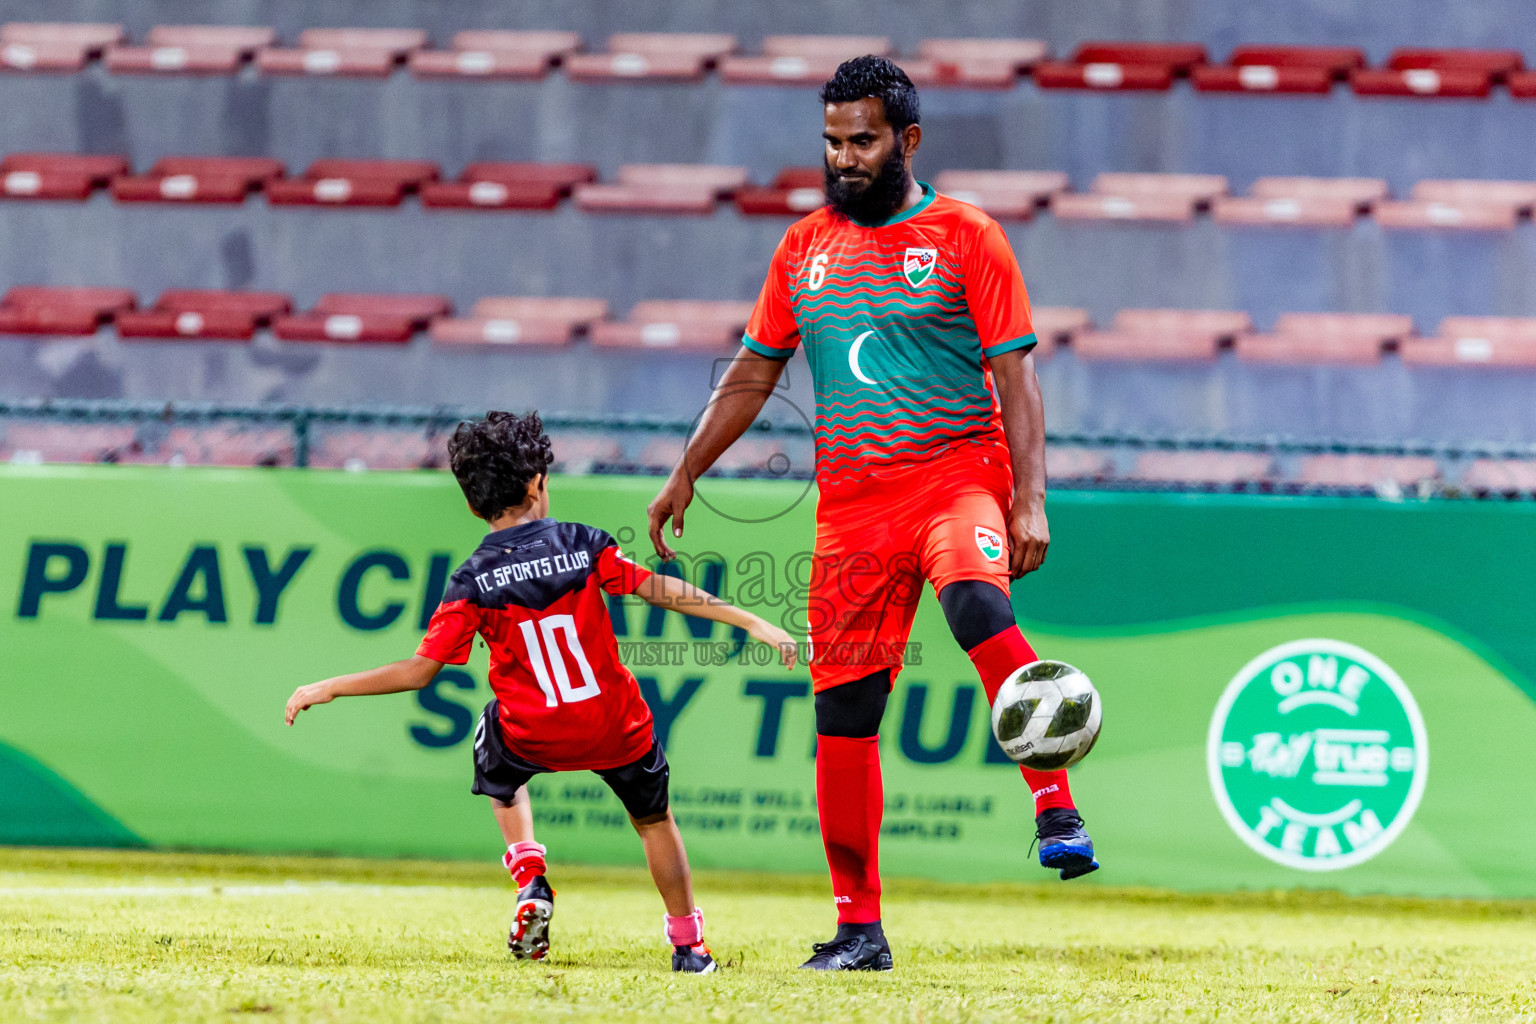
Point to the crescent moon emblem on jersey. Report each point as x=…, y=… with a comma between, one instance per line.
x=853, y=358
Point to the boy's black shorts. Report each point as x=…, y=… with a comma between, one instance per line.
x=641, y=786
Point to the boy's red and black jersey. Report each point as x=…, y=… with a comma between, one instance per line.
x=538, y=593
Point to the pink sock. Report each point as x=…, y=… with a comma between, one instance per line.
x=525, y=861
x=995, y=660
x=687, y=930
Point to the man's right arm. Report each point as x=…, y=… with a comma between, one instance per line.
x=734, y=406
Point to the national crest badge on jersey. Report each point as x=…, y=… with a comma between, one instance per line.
x=990, y=543
x=918, y=265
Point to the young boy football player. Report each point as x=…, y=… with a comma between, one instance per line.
x=536, y=591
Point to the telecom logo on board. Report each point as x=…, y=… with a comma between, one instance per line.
x=1317, y=755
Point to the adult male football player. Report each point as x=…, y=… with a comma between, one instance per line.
x=930, y=461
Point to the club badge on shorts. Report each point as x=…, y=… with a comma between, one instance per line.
x=918, y=265
x=990, y=543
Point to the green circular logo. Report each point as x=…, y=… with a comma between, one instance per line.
x=1317, y=755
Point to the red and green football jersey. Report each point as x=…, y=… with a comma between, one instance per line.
x=898, y=321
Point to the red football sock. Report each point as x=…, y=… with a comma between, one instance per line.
x=995, y=659
x=525, y=861
x=850, y=799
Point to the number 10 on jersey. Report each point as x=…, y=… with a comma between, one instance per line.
x=556, y=666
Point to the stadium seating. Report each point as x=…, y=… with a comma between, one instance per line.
x=198, y=179
x=43, y=310
x=348, y=52
x=1476, y=341
x=662, y=188
x=507, y=186
x=1431, y=72
x=1309, y=202
x=1472, y=205
x=1065, y=462
x=56, y=175
x=54, y=46
x=1120, y=66
x=496, y=55
x=806, y=60
x=1325, y=338
x=1500, y=476
x=190, y=50
x=389, y=319
x=1005, y=195
x=195, y=314
x=213, y=444
x=676, y=324
x=1057, y=325
x=1160, y=197
x=982, y=63
x=520, y=321
x=352, y=183
x=794, y=191
x=652, y=56
x=1281, y=69
x=1201, y=468
x=1387, y=475
x=31, y=442
x=583, y=452
x=1162, y=334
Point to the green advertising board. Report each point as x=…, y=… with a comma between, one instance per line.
x=1297, y=691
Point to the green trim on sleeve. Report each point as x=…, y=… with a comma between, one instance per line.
x=768, y=351
x=1027, y=342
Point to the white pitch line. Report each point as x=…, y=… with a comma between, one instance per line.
x=287, y=889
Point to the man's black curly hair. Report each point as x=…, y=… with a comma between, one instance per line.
x=877, y=78
x=494, y=459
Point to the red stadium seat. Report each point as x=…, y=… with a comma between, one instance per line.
x=191, y=50
x=1448, y=73
x=45, y=310
x=198, y=179
x=73, y=442
x=1293, y=69
x=496, y=54
x=1005, y=195
x=520, y=321
x=57, y=175
x=508, y=186
x=677, y=324
x=795, y=191
x=983, y=63
x=1476, y=341
x=1166, y=197
x=753, y=456
x=245, y=38
x=352, y=183
x=352, y=52
x=350, y=317
x=93, y=37
x=1206, y=468
x=61, y=58
x=196, y=314
x=1497, y=63
x=1356, y=338
x=580, y=452
x=1520, y=195
x=416, y=308
x=1163, y=334
x=375, y=449
x=662, y=188
x=1311, y=202
x=1500, y=476
x=655, y=56
x=1120, y=66
x=1433, y=214
x=396, y=41
x=1064, y=462
x=1218, y=323
x=1361, y=191
x=663, y=452
x=800, y=59
x=1057, y=325
x=1386, y=474
x=221, y=445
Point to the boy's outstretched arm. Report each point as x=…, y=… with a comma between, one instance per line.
x=411, y=674
x=677, y=595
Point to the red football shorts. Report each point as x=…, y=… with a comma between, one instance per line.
x=879, y=539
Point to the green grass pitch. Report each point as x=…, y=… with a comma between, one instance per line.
x=112, y=936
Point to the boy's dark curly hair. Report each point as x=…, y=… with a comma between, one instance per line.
x=494, y=459
x=874, y=78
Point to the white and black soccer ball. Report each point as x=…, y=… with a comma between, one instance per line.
x=1047, y=715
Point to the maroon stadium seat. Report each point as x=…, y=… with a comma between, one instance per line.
x=56, y=175
x=520, y=321
x=795, y=191
x=1120, y=66
x=1496, y=63
x=1166, y=197
x=983, y=63
x=1067, y=462
x=1476, y=341
x=1294, y=69
x=508, y=186
x=1201, y=468
x=677, y=324
x=1005, y=195
x=1432, y=72
x=1383, y=473
x=1355, y=338
x=656, y=56
x=196, y=314
x=349, y=317
x=46, y=310
x=496, y=54
x=198, y=179
x=800, y=59
x=663, y=188
x=352, y=183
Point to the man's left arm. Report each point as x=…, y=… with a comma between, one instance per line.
x=1023, y=413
